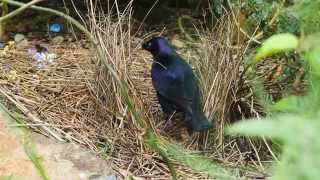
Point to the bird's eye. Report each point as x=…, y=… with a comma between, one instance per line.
x=149, y=44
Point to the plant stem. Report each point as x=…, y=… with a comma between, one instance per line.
x=4, y=9
x=183, y=31
x=48, y=10
x=18, y=11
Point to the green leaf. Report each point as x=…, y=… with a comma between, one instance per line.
x=287, y=104
x=275, y=127
x=277, y=43
x=199, y=163
x=254, y=127
x=309, y=43
x=313, y=58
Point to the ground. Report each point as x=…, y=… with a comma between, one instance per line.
x=60, y=160
x=75, y=98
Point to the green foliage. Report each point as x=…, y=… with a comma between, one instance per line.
x=286, y=22
x=258, y=10
x=288, y=104
x=262, y=12
x=309, y=15
x=280, y=16
x=300, y=158
x=35, y=159
x=295, y=120
x=277, y=43
x=195, y=161
x=198, y=162
x=215, y=7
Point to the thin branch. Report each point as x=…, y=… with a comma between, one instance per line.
x=19, y=10
x=48, y=10
x=4, y=9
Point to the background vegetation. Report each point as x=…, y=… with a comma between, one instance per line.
x=232, y=45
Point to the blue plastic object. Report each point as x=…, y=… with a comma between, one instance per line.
x=2, y=45
x=55, y=28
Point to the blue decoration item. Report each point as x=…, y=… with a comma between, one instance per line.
x=2, y=45
x=55, y=28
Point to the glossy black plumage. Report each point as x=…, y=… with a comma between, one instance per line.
x=176, y=85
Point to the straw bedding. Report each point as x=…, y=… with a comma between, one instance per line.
x=63, y=101
x=77, y=100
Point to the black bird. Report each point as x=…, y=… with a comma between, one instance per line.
x=176, y=85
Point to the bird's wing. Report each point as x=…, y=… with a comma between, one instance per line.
x=176, y=84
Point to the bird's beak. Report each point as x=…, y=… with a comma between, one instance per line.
x=146, y=46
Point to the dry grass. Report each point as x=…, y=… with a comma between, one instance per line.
x=57, y=98
x=227, y=95
x=76, y=99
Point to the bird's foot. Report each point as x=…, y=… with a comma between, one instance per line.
x=185, y=134
x=167, y=124
x=168, y=120
x=190, y=132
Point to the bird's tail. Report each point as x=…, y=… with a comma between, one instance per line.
x=200, y=122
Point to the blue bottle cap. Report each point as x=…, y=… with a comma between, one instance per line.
x=55, y=28
x=2, y=45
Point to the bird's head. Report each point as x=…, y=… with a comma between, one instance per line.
x=158, y=46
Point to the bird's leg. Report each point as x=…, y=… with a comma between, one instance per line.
x=168, y=119
x=190, y=132
x=167, y=109
x=188, y=120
